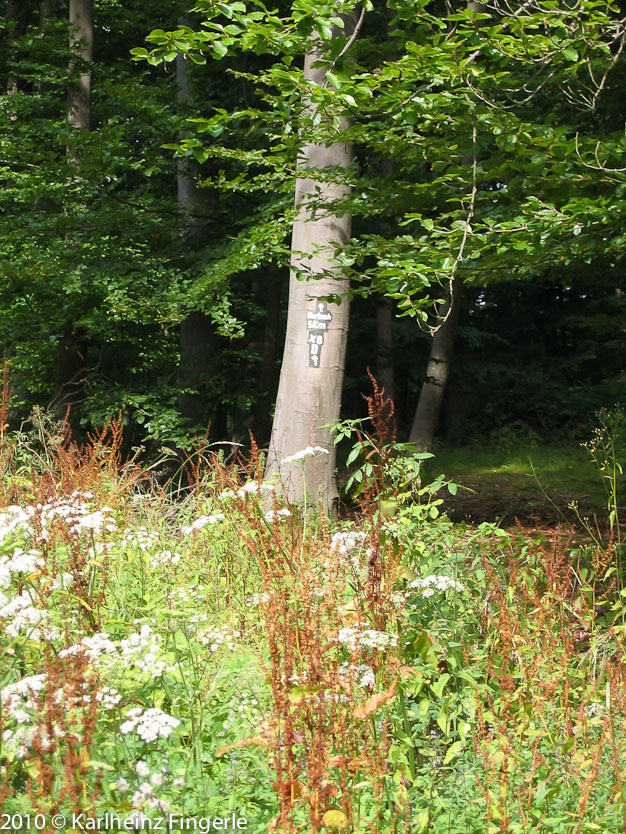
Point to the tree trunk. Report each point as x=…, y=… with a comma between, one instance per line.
x=438, y=368
x=13, y=28
x=81, y=47
x=266, y=388
x=437, y=372
x=311, y=377
x=384, y=349
x=199, y=346
x=70, y=359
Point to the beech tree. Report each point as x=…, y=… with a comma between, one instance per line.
x=311, y=377
x=70, y=356
x=81, y=49
x=97, y=241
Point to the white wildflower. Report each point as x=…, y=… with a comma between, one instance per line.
x=22, y=617
x=249, y=488
x=29, y=561
x=164, y=557
x=108, y=697
x=122, y=785
x=201, y=522
x=138, y=800
x=430, y=584
x=258, y=599
x=217, y=636
x=149, y=725
x=14, y=519
x=346, y=541
x=303, y=454
x=140, y=538
x=94, y=646
x=141, y=768
x=146, y=789
x=5, y=572
x=63, y=581
x=273, y=515
x=354, y=639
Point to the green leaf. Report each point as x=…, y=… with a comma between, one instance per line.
x=453, y=751
x=219, y=49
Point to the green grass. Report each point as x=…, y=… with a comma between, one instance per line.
x=523, y=481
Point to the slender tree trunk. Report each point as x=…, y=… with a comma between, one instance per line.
x=384, y=348
x=437, y=372
x=438, y=369
x=70, y=358
x=311, y=377
x=266, y=388
x=13, y=27
x=199, y=346
x=81, y=48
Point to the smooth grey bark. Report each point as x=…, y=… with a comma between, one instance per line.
x=437, y=372
x=428, y=408
x=311, y=377
x=81, y=48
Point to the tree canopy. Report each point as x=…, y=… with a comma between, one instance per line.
x=488, y=145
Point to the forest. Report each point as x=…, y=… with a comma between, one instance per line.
x=267, y=272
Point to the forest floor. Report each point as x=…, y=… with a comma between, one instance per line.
x=535, y=486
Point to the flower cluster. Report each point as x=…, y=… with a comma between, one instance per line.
x=249, y=488
x=21, y=616
x=23, y=701
x=93, y=647
x=76, y=511
x=164, y=557
x=142, y=650
x=303, y=454
x=362, y=674
x=274, y=515
x=20, y=697
x=355, y=639
x=201, y=522
x=108, y=697
x=428, y=585
x=140, y=538
x=215, y=637
x=21, y=561
x=145, y=795
x=13, y=519
x=347, y=541
x=150, y=724
x=258, y=599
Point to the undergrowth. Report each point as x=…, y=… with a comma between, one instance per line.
x=214, y=654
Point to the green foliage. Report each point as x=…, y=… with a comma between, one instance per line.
x=156, y=656
x=487, y=147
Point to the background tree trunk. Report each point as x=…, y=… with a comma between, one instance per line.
x=437, y=372
x=438, y=369
x=81, y=48
x=384, y=350
x=267, y=383
x=198, y=344
x=70, y=360
x=311, y=377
